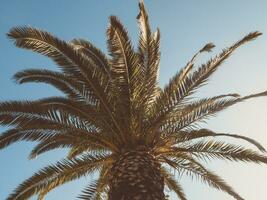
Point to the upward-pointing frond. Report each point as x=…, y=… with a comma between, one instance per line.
x=123, y=68
x=149, y=54
x=184, y=88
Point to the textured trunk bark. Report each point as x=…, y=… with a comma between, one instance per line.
x=136, y=176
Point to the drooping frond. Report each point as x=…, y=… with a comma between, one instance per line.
x=59, y=173
x=78, y=144
x=184, y=136
x=56, y=113
x=82, y=110
x=14, y=135
x=70, y=60
x=97, y=189
x=172, y=184
x=222, y=150
x=71, y=137
x=63, y=53
x=90, y=192
x=87, y=146
x=62, y=141
x=93, y=53
x=194, y=169
x=72, y=88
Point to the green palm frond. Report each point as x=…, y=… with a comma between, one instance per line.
x=87, y=113
x=51, y=118
x=63, y=53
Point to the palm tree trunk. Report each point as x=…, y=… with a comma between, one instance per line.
x=136, y=176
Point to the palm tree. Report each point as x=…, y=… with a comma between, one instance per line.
x=117, y=121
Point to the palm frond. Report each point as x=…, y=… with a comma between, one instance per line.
x=87, y=146
x=65, y=140
x=93, y=53
x=195, y=169
x=123, y=66
x=199, y=111
x=149, y=54
x=85, y=112
x=172, y=121
x=32, y=128
x=90, y=192
x=13, y=135
x=51, y=117
x=173, y=184
x=97, y=189
x=62, y=172
x=164, y=98
x=69, y=86
x=69, y=59
x=58, y=141
x=222, y=150
x=177, y=92
x=184, y=136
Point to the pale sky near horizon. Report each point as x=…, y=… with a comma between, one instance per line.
x=185, y=27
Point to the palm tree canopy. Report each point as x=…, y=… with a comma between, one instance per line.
x=113, y=104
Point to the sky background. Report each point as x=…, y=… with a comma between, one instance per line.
x=186, y=25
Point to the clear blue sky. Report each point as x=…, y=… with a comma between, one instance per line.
x=185, y=26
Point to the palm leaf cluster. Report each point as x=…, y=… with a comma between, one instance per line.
x=113, y=104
